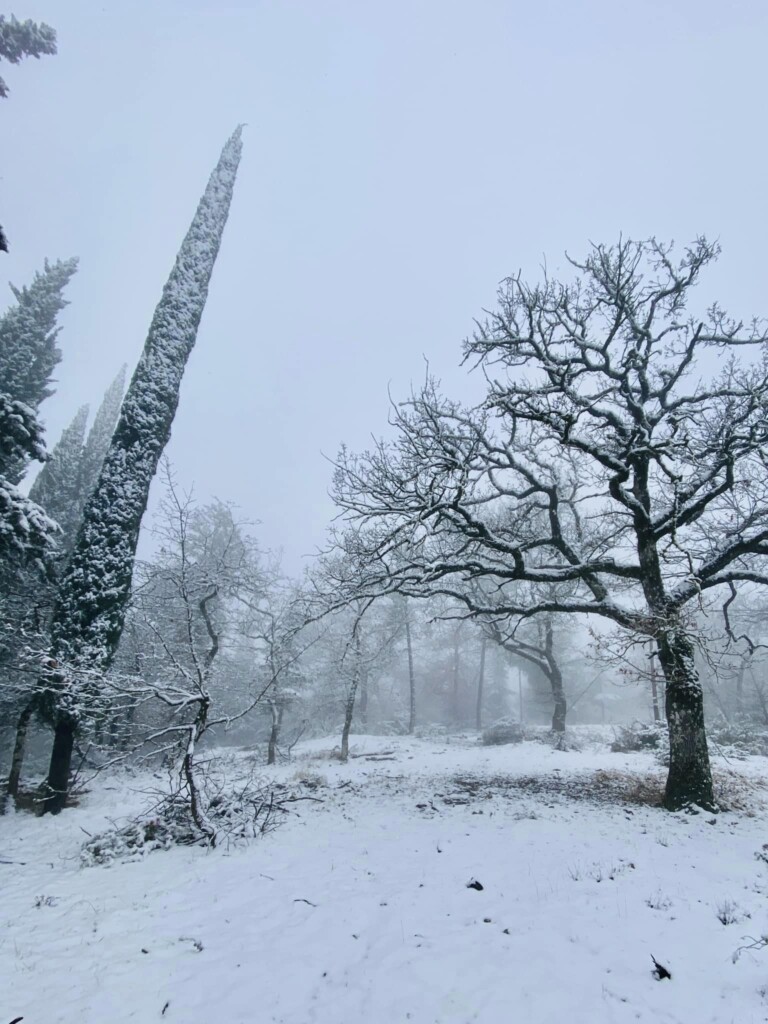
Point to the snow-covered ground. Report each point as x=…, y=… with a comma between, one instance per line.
x=357, y=909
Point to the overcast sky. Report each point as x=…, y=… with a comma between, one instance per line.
x=400, y=159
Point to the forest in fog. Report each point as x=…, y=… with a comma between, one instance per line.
x=530, y=640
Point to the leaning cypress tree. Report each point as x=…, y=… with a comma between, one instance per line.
x=91, y=602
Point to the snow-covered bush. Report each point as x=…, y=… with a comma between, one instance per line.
x=639, y=736
x=739, y=739
x=504, y=731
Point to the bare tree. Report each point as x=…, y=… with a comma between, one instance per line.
x=184, y=609
x=276, y=620
x=536, y=647
x=608, y=455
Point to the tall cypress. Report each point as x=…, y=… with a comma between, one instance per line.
x=100, y=436
x=19, y=39
x=91, y=603
x=56, y=487
x=28, y=350
x=28, y=357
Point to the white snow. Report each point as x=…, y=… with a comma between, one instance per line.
x=357, y=908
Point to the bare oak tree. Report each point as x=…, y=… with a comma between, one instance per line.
x=616, y=466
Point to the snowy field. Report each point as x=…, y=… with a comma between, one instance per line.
x=357, y=909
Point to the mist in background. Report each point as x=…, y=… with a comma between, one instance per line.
x=400, y=159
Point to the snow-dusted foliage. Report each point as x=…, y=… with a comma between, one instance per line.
x=91, y=603
x=100, y=436
x=28, y=333
x=90, y=610
x=56, y=486
x=26, y=532
x=19, y=39
x=67, y=480
x=28, y=356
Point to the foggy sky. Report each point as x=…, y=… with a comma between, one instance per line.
x=400, y=159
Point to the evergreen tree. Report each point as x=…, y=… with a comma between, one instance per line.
x=26, y=533
x=57, y=487
x=91, y=603
x=100, y=436
x=69, y=477
x=28, y=356
x=28, y=333
x=19, y=39
x=62, y=488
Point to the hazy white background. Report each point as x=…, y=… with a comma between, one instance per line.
x=400, y=159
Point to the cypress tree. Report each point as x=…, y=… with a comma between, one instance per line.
x=25, y=531
x=91, y=603
x=28, y=332
x=28, y=357
x=100, y=436
x=57, y=485
x=20, y=39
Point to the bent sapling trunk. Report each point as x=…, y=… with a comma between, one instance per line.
x=196, y=730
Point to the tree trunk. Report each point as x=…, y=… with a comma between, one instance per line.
x=411, y=679
x=349, y=711
x=480, y=684
x=364, y=701
x=555, y=680
x=561, y=705
x=196, y=730
x=690, y=777
x=61, y=761
x=274, y=734
x=654, y=687
x=740, y=690
x=456, y=665
x=17, y=759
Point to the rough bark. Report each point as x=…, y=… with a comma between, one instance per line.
x=555, y=677
x=690, y=777
x=57, y=784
